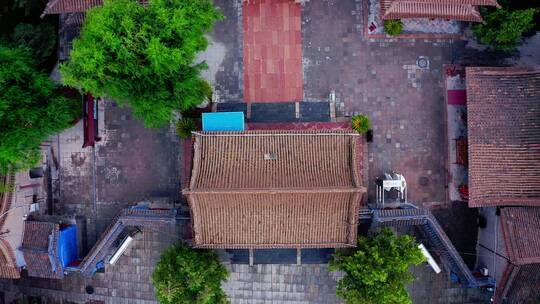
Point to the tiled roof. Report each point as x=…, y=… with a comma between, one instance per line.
x=503, y=107
x=36, y=234
x=521, y=233
x=519, y=284
x=303, y=160
x=8, y=267
x=6, y=181
x=463, y=10
x=152, y=218
x=73, y=6
x=73, y=20
x=521, y=230
x=39, y=248
x=276, y=189
x=69, y=6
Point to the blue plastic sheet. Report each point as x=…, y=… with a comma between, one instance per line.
x=223, y=121
x=67, y=245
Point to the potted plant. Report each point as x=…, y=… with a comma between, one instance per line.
x=360, y=123
x=185, y=126
x=393, y=27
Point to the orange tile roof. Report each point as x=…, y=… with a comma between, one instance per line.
x=503, y=113
x=463, y=10
x=276, y=189
x=8, y=267
x=38, y=238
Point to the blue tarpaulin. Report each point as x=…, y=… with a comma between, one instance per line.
x=67, y=245
x=223, y=121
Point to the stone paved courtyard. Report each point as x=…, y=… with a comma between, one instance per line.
x=380, y=79
x=375, y=77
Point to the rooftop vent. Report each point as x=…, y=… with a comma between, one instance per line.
x=270, y=156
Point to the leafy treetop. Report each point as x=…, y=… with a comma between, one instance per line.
x=144, y=55
x=31, y=109
x=503, y=28
x=360, y=123
x=189, y=276
x=377, y=269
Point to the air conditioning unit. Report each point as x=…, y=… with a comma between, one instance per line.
x=34, y=207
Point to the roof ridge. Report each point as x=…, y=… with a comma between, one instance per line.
x=417, y=9
x=248, y=133
x=300, y=190
x=493, y=71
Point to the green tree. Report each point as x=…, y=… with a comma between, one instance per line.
x=503, y=28
x=144, y=55
x=377, y=269
x=41, y=39
x=189, y=276
x=31, y=109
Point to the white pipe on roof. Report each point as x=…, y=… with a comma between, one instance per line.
x=429, y=258
x=121, y=250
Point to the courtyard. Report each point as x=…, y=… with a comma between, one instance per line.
x=326, y=51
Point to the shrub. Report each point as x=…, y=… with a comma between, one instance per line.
x=185, y=126
x=393, y=27
x=360, y=123
x=189, y=276
x=503, y=28
x=4, y=188
x=377, y=269
x=144, y=56
x=31, y=109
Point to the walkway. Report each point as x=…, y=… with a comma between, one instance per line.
x=272, y=51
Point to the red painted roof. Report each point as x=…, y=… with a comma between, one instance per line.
x=272, y=46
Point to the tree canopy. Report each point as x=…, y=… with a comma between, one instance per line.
x=144, y=55
x=503, y=27
x=377, y=269
x=189, y=276
x=31, y=109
